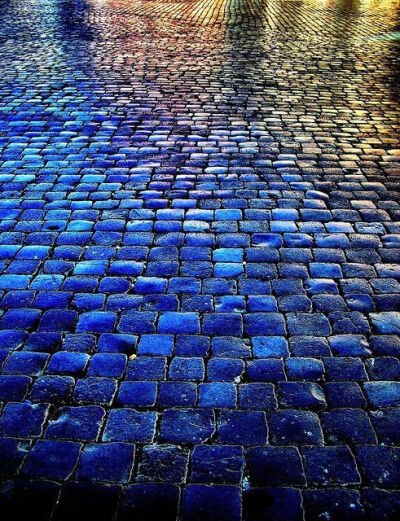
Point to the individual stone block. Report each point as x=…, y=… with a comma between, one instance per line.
x=128, y=425
x=217, y=464
x=109, y=462
x=242, y=427
x=187, y=425
x=163, y=463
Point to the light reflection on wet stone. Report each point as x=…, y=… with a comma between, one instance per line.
x=199, y=253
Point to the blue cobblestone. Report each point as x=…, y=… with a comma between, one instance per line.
x=109, y=462
x=199, y=256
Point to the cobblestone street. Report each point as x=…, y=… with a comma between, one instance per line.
x=199, y=260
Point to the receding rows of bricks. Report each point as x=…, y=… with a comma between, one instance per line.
x=255, y=466
x=62, y=388
x=145, y=386
x=231, y=324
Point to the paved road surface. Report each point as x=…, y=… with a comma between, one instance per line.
x=199, y=254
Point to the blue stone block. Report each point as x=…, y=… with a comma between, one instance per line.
x=150, y=285
x=386, y=422
x=12, y=452
x=348, y=426
x=14, y=282
x=163, y=463
x=23, y=419
x=76, y=423
x=117, y=343
x=352, y=322
x=17, y=299
x=386, y=322
x=379, y=465
x=260, y=396
x=224, y=369
x=199, y=303
x=231, y=347
x=147, y=368
x=95, y=390
x=321, y=286
x=108, y=462
x=130, y=426
x=267, y=240
x=228, y=269
x=221, y=324
x=53, y=299
x=302, y=395
x=383, y=394
x=265, y=370
x=47, y=282
x=192, y=345
x=341, y=504
x=160, y=303
x=51, y=459
x=217, y=395
x=96, y=322
x=187, y=425
x=275, y=466
x=383, y=368
x=140, y=394
x=171, y=394
x=315, y=324
x=172, y=322
x=138, y=322
x=25, y=363
x=107, y=365
x=270, y=346
x=228, y=255
x=126, y=268
x=13, y=388
x=304, y=369
x=65, y=362
x=52, y=389
x=262, y=303
x=12, y=339
x=288, y=286
x=328, y=303
x=88, y=301
x=230, y=303
x=344, y=394
x=349, y=345
x=81, y=343
x=156, y=345
x=77, y=284
x=123, y=302
x=381, y=345
x=325, y=270
x=309, y=346
x=219, y=286
x=345, y=369
x=186, y=368
x=58, y=320
x=264, y=324
x=186, y=285
x=242, y=428
x=217, y=464
x=328, y=466
x=294, y=427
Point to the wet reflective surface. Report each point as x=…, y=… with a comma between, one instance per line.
x=199, y=254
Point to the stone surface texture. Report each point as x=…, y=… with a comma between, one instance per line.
x=199, y=253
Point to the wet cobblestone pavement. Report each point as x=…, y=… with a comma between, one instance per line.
x=199, y=253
